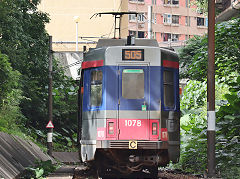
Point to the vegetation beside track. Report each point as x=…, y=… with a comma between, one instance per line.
x=24, y=52
x=194, y=104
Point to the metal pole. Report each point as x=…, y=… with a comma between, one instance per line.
x=115, y=22
x=137, y=19
x=211, y=91
x=50, y=112
x=149, y=22
x=76, y=36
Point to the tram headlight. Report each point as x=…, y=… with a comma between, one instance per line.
x=154, y=128
x=111, y=128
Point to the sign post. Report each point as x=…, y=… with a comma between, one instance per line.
x=50, y=112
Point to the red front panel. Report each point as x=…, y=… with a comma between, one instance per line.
x=133, y=129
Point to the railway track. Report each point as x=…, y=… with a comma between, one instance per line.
x=83, y=172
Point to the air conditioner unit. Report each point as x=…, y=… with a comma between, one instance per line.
x=140, y=25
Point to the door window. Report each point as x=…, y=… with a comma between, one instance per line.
x=133, y=84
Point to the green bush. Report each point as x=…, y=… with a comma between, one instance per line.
x=228, y=134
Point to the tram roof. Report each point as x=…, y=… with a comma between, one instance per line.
x=99, y=53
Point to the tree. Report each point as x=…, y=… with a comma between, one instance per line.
x=193, y=59
x=227, y=42
x=25, y=41
x=10, y=96
x=228, y=133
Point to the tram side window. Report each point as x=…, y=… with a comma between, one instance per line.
x=96, y=88
x=133, y=83
x=168, y=82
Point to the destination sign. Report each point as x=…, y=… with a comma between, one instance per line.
x=133, y=54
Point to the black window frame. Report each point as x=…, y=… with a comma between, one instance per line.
x=200, y=21
x=171, y=84
x=175, y=19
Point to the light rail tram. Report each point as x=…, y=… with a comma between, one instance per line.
x=130, y=116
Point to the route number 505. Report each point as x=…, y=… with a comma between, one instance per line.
x=129, y=123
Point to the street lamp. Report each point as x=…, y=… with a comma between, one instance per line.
x=76, y=19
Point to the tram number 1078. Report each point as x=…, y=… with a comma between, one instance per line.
x=132, y=123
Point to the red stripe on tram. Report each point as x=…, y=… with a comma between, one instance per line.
x=170, y=64
x=91, y=64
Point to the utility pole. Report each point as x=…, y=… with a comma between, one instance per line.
x=50, y=111
x=137, y=19
x=211, y=164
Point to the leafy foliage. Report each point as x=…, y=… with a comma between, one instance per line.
x=41, y=170
x=24, y=40
x=193, y=128
x=227, y=42
x=193, y=103
x=202, y=6
x=10, y=96
x=8, y=78
x=65, y=113
x=228, y=134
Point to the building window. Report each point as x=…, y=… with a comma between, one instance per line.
x=175, y=19
x=187, y=2
x=132, y=17
x=154, y=35
x=133, y=83
x=167, y=37
x=142, y=1
x=171, y=2
x=175, y=37
x=132, y=33
x=96, y=88
x=167, y=18
x=154, y=2
x=166, y=2
x=175, y=2
x=187, y=20
x=140, y=34
x=154, y=18
x=200, y=21
x=141, y=17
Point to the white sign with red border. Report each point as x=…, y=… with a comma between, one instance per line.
x=50, y=125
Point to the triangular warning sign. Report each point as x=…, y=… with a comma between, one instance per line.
x=50, y=125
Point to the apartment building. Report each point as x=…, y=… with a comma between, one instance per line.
x=173, y=22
